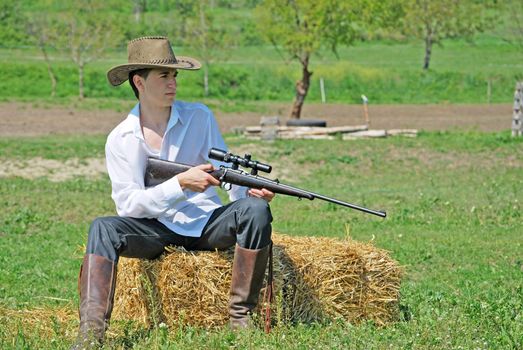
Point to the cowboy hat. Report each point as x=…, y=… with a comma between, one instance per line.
x=150, y=52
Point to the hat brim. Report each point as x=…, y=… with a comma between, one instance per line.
x=119, y=74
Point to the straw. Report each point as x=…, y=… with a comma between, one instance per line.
x=315, y=280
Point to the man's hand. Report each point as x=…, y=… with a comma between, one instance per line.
x=197, y=178
x=263, y=193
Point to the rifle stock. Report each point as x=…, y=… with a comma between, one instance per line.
x=158, y=171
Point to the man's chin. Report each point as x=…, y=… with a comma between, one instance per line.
x=169, y=99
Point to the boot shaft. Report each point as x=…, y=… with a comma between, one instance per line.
x=96, y=284
x=248, y=272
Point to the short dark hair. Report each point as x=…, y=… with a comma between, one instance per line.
x=140, y=72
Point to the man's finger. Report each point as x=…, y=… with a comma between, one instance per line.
x=205, y=167
x=213, y=181
x=255, y=192
x=267, y=193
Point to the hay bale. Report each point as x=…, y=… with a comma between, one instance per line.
x=135, y=295
x=316, y=279
x=325, y=278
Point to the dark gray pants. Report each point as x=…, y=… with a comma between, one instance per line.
x=246, y=221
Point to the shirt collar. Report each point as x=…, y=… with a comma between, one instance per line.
x=175, y=116
x=134, y=118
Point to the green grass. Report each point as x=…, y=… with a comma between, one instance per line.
x=454, y=203
x=52, y=147
x=385, y=72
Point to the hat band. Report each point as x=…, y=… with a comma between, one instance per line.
x=170, y=60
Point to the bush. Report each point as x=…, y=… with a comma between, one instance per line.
x=344, y=83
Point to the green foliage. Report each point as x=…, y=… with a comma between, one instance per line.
x=386, y=71
x=344, y=82
x=133, y=18
x=433, y=21
x=302, y=27
x=446, y=18
x=513, y=22
x=12, y=30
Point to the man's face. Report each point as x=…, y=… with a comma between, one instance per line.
x=159, y=88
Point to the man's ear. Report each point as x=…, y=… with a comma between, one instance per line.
x=138, y=82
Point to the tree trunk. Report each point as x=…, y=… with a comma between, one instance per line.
x=302, y=87
x=206, y=79
x=81, y=80
x=203, y=28
x=139, y=10
x=49, y=70
x=428, y=50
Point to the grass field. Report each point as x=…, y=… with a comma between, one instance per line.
x=454, y=200
x=461, y=72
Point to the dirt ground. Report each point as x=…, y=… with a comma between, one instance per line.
x=22, y=119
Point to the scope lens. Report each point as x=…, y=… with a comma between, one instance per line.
x=218, y=154
x=264, y=167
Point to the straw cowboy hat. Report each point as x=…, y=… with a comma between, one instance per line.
x=150, y=52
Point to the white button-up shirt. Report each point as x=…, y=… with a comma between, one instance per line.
x=191, y=132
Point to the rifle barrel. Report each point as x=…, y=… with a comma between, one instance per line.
x=349, y=205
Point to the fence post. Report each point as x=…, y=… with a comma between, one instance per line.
x=322, y=90
x=365, y=101
x=489, y=91
x=517, y=116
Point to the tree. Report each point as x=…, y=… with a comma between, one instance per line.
x=86, y=31
x=139, y=9
x=206, y=37
x=22, y=28
x=434, y=21
x=514, y=8
x=41, y=31
x=302, y=27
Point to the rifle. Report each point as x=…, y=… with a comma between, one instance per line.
x=158, y=171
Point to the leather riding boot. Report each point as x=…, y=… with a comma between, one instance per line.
x=96, y=285
x=248, y=271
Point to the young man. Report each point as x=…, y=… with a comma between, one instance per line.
x=183, y=211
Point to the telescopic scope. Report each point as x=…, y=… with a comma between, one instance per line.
x=246, y=162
